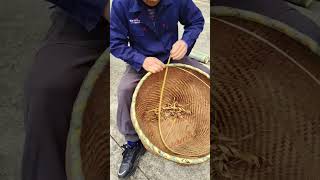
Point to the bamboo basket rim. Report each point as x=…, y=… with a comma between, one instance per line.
x=143, y=137
x=269, y=22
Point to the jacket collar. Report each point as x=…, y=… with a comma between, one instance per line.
x=138, y=6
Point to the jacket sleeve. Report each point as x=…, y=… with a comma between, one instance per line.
x=119, y=38
x=191, y=17
x=86, y=12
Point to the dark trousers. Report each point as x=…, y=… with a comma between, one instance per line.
x=127, y=85
x=60, y=66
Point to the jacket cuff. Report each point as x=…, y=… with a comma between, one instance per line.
x=189, y=42
x=137, y=65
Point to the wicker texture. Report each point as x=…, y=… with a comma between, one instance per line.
x=187, y=136
x=88, y=142
x=94, y=143
x=267, y=83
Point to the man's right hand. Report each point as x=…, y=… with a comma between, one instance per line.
x=153, y=65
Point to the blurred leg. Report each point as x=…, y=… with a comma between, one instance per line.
x=60, y=67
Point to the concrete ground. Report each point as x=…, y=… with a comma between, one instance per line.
x=152, y=167
x=22, y=25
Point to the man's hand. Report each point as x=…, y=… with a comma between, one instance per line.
x=153, y=65
x=179, y=50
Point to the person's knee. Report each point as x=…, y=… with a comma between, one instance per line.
x=50, y=74
x=126, y=88
x=206, y=70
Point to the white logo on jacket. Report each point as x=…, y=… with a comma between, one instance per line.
x=135, y=21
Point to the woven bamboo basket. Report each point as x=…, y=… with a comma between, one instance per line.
x=182, y=137
x=87, y=156
x=267, y=82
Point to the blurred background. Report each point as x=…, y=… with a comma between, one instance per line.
x=22, y=26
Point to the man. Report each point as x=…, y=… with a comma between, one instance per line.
x=151, y=28
x=77, y=37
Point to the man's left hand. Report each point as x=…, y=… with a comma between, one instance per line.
x=179, y=50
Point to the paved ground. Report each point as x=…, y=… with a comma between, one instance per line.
x=22, y=26
x=152, y=167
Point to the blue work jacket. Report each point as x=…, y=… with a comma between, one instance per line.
x=135, y=36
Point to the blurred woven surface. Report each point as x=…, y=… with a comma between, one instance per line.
x=94, y=144
x=260, y=90
x=185, y=125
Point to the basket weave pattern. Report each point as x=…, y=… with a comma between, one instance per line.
x=189, y=136
x=261, y=90
x=94, y=147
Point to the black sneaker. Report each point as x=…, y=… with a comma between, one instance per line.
x=131, y=156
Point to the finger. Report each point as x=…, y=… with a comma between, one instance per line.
x=161, y=66
x=175, y=51
x=181, y=54
x=175, y=56
x=152, y=70
x=158, y=67
x=180, y=49
x=158, y=70
x=160, y=63
x=174, y=45
x=154, y=65
x=174, y=48
x=157, y=61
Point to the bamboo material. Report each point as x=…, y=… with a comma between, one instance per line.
x=266, y=78
x=87, y=155
x=183, y=90
x=175, y=118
